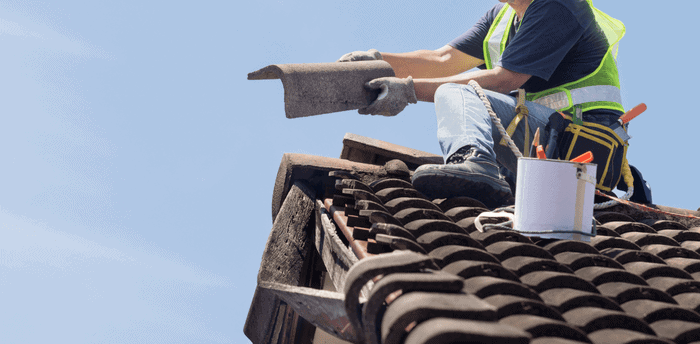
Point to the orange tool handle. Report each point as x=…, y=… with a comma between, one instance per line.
x=631, y=114
x=540, y=152
x=583, y=158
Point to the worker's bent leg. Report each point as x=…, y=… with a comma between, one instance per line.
x=462, y=120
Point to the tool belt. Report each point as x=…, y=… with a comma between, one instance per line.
x=576, y=138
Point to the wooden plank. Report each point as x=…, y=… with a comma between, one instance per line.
x=285, y=260
x=324, y=309
x=313, y=170
x=372, y=151
x=337, y=258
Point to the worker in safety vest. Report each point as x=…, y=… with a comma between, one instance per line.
x=562, y=52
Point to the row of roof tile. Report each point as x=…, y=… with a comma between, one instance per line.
x=634, y=282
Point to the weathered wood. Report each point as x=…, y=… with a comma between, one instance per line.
x=289, y=243
x=371, y=151
x=286, y=261
x=337, y=258
x=262, y=315
x=324, y=309
x=313, y=170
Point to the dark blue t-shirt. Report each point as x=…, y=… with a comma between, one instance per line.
x=557, y=42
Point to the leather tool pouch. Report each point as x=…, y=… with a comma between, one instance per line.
x=608, y=149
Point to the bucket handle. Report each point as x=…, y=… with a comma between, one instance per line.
x=581, y=174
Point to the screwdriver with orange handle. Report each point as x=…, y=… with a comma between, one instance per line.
x=583, y=158
x=619, y=128
x=540, y=153
x=631, y=114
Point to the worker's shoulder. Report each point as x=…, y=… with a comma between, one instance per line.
x=579, y=9
x=490, y=16
x=566, y=3
x=575, y=6
x=571, y=5
x=493, y=12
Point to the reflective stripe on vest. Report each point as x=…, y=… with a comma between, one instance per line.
x=495, y=41
x=589, y=94
x=600, y=89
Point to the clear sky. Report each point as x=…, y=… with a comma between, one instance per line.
x=138, y=162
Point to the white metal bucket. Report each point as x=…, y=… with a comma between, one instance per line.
x=554, y=199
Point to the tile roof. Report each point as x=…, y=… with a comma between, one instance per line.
x=438, y=279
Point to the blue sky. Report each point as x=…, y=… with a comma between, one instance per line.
x=138, y=162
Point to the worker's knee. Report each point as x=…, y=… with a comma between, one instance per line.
x=452, y=92
x=445, y=88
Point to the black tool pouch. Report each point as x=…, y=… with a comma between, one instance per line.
x=608, y=149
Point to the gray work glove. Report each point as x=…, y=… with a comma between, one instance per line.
x=369, y=55
x=395, y=94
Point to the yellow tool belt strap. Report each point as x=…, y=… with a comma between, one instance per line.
x=521, y=111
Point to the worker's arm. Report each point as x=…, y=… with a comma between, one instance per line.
x=397, y=92
x=498, y=79
x=430, y=69
x=443, y=62
x=438, y=63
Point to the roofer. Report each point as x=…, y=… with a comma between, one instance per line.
x=561, y=52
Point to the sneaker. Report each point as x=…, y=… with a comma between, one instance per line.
x=471, y=174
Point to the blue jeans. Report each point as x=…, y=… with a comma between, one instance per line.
x=462, y=120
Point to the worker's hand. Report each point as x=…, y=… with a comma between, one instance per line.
x=395, y=94
x=369, y=55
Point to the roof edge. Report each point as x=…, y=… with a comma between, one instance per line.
x=314, y=171
x=372, y=151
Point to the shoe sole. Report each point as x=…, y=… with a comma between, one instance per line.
x=439, y=184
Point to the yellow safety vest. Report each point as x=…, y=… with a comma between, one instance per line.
x=598, y=90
